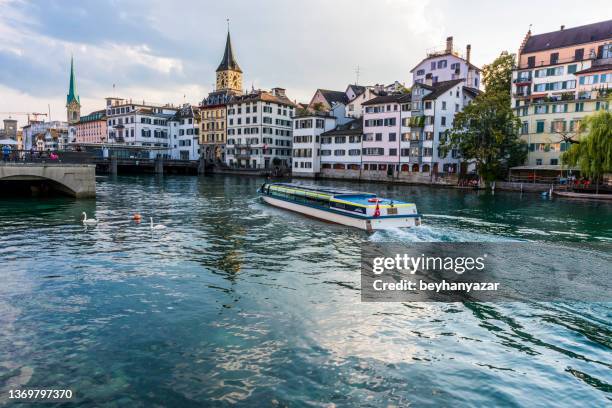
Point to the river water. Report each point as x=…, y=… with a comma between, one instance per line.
x=236, y=302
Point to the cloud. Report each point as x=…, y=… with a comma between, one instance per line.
x=168, y=51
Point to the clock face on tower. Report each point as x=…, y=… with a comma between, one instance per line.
x=229, y=80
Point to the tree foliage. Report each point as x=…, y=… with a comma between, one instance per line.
x=486, y=131
x=593, y=154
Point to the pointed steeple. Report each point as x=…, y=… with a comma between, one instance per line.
x=228, y=62
x=72, y=91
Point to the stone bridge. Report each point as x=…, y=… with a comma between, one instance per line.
x=77, y=180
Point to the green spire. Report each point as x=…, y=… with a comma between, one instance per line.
x=72, y=91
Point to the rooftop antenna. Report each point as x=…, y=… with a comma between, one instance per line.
x=357, y=72
x=227, y=19
x=530, y=25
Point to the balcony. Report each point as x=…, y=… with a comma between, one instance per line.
x=417, y=121
x=522, y=80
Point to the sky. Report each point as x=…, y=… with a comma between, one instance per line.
x=167, y=51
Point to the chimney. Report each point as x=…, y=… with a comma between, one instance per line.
x=562, y=27
x=279, y=92
x=468, y=52
x=449, y=44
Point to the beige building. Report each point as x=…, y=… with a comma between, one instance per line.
x=561, y=77
x=213, y=109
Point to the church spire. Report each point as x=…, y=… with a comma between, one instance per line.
x=228, y=62
x=72, y=91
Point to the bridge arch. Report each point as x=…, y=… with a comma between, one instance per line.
x=75, y=180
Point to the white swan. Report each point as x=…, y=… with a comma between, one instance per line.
x=156, y=227
x=88, y=221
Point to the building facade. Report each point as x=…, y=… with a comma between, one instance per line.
x=307, y=130
x=560, y=77
x=91, y=128
x=259, y=130
x=140, y=124
x=184, y=128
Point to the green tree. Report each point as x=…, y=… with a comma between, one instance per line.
x=593, y=153
x=486, y=131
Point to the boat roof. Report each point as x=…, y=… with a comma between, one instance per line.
x=342, y=195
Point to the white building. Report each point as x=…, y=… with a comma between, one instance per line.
x=259, y=130
x=432, y=111
x=341, y=147
x=357, y=95
x=447, y=65
x=307, y=129
x=184, y=134
x=136, y=124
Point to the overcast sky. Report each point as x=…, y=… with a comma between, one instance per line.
x=167, y=51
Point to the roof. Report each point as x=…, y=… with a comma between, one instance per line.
x=72, y=90
x=185, y=112
x=261, y=96
x=568, y=37
x=334, y=96
x=357, y=89
x=393, y=98
x=228, y=62
x=310, y=114
x=596, y=68
x=473, y=92
x=440, y=88
x=354, y=127
x=93, y=116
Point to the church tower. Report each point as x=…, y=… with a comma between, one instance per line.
x=73, y=103
x=229, y=74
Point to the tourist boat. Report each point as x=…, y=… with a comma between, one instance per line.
x=361, y=210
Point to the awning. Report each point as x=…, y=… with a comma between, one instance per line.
x=10, y=142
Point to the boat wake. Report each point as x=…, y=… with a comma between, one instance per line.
x=426, y=233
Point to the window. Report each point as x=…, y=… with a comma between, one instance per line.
x=433, y=65
x=579, y=54
x=443, y=120
x=538, y=162
x=525, y=128
x=442, y=64
x=580, y=107
x=420, y=72
x=443, y=105
x=531, y=62
x=554, y=57
x=540, y=126
x=428, y=105
x=392, y=152
x=392, y=137
x=606, y=51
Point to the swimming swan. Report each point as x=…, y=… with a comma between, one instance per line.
x=156, y=227
x=88, y=221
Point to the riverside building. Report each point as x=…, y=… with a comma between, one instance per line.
x=560, y=77
x=91, y=128
x=184, y=128
x=140, y=124
x=259, y=130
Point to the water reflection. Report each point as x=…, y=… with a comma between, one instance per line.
x=239, y=302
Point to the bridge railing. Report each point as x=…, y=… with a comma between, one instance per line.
x=35, y=156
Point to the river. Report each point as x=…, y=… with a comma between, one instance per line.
x=236, y=302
